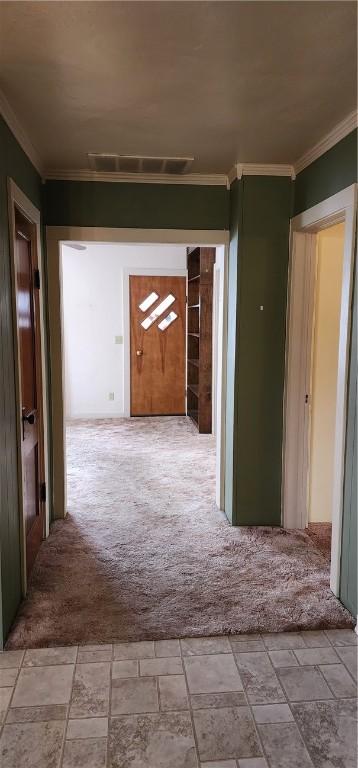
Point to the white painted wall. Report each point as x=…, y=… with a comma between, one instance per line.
x=330, y=244
x=219, y=369
x=93, y=315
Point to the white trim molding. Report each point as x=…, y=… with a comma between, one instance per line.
x=55, y=237
x=232, y=175
x=16, y=128
x=338, y=133
x=202, y=179
x=130, y=235
x=260, y=169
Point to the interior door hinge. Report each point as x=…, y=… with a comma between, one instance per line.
x=43, y=493
x=37, y=282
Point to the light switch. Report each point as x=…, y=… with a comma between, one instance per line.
x=118, y=339
x=111, y=396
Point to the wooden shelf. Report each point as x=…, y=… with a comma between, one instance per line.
x=194, y=389
x=200, y=262
x=194, y=415
x=192, y=249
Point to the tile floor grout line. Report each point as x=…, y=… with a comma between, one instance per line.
x=336, y=698
x=158, y=692
x=191, y=713
x=293, y=715
x=345, y=665
x=327, y=664
x=318, y=648
x=252, y=715
x=12, y=694
x=62, y=752
x=328, y=638
x=296, y=723
x=109, y=713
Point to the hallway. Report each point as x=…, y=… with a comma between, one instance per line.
x=145, y=554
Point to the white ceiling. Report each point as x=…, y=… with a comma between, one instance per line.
x=226, y=82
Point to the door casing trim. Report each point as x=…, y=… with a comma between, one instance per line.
x=17, y=199
x=55, y=237
x=340, y=207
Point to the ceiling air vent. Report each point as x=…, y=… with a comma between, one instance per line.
x=107, y=163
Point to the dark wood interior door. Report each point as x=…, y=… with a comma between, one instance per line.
x=157, y=320
x=28, y=325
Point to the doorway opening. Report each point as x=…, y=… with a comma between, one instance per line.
x=322, y=399
x=317, y=362
x=128, y=339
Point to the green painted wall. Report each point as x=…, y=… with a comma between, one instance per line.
x=147, y=206
x=13, y=163
x=260, y=216
x=333, y=171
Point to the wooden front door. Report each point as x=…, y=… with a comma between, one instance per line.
x=29, y=341
x=157, y=319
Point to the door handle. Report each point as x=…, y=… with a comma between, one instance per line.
x=139, y=352
x=29, y=417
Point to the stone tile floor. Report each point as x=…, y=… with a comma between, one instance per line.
x=285, y=700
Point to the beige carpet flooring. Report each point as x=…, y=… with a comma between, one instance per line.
x=143, y=552
x=321, y=535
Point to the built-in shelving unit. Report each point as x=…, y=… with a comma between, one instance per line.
x=200, y=262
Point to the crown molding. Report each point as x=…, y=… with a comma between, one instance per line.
x=232, y=175
x=260, y=169
x=338, y=133
x=213, y=179
x=17, y=130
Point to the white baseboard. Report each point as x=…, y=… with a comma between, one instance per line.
x=89, y=416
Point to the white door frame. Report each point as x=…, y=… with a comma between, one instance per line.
x=338, y=208
x=145, y=272
x=18, y=200
x=220, y=303
x=55, y=238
